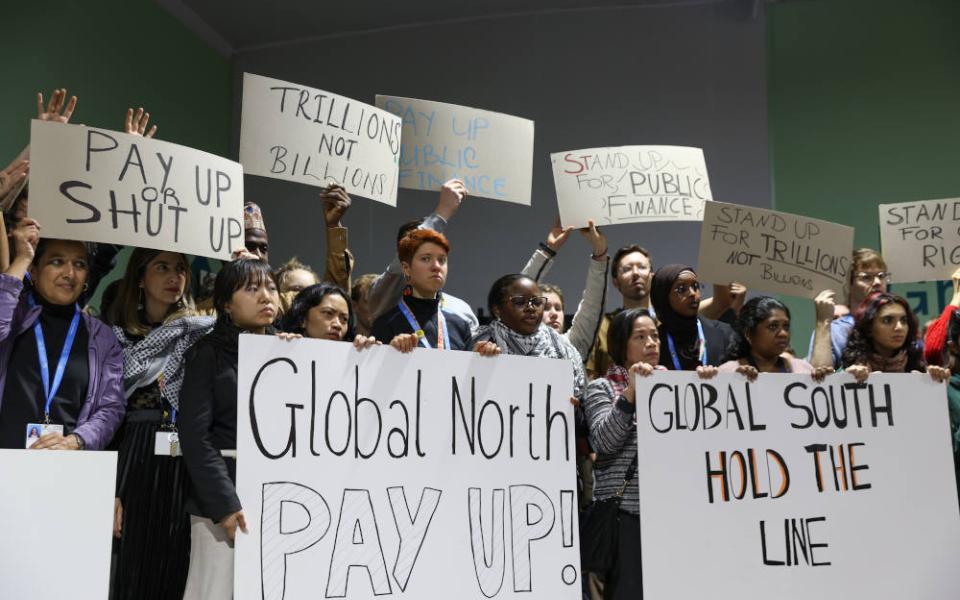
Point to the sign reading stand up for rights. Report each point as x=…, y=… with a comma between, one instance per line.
x=630, y=184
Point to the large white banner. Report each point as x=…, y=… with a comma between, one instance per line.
x=104, y=186
x=491, y=152
x=434, y=474
x=789, y=489
x=298, y=133
x=56, y=510
x=630, y=184
x=921, y=240
x=775, y=252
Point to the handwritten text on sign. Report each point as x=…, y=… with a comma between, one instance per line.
x=774, y=251
x=104, y=186
x=804, y=488
x=424, y=475
x=630, y=184
x=491, y=152
x=293, y=132
x=921, y=240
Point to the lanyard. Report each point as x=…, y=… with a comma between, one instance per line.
x=51, y=390
x=443, y=336
x=701, y=341
x=173, y=411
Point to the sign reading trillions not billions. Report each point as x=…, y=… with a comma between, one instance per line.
x=630, y=184
x=774, y=251
x=104, y=186
x=424, y=475
x=492, y=153
x=921, y=240
x=298, y=133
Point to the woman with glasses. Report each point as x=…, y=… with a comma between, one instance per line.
x=419, y=319
x=884, y=340
x=688, y=342
x=761, y=342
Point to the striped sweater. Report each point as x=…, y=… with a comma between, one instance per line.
x=611, y=421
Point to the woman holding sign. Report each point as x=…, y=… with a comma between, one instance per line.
x=324, y=312
x=154, y=319
x=690, y=342
x=420, y=319
x=884, y=340
x=60, y=369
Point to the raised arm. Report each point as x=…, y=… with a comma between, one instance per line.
x=339, y=260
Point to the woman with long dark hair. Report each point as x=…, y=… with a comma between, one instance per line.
x=324, y=311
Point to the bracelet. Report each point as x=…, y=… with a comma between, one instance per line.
x=598, y=256
x=80, y=441
x=550, y=252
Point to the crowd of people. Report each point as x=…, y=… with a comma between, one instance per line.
x=154, y=375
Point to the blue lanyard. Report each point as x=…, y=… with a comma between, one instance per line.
x=701, y=341
x=48, y=389
x=443, y=335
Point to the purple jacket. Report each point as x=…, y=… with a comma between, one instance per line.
x=105, y=405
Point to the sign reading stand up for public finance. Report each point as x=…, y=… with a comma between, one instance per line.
x=492, y=153
x=630, y=184
x=104, y=186
x=302, y=134
x=431, y=474
x=789, y=489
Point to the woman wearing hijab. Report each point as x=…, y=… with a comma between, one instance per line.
x=689, y=342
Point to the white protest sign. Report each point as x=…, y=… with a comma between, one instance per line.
x=789, y=489
x=491, y=152
x=57, y=512
x=630, y=184
x=104, y=186
x=774, y=251
x=298, y=133
x=433, y=474
x=921, y=240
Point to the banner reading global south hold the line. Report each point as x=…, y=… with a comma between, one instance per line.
x=427, y=475
x=303, y=134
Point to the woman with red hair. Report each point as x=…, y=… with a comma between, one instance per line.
x=419, y=319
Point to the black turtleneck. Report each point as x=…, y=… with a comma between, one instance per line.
x=23, y=395
x=393, y=323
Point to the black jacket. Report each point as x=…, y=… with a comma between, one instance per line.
x=717, y=335
x=208, y=423
x=393, y=323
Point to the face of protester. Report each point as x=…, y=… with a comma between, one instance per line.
x=329, y=319
x=60, y=274
x=254, y=306
x=522, y=308
x=633, y=276
x=644, y=343
x=685, y=295
x=164, y=279
x=553, y=312
x=868, y=278
x=771, y=338
x=296, y=280
x=427, y=270
x=889, y=329
x=256, y=242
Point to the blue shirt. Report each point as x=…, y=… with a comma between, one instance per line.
x=839, y=334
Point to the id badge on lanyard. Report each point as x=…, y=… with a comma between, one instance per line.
x=166, y=442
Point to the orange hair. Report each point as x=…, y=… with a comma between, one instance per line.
x=411, y=242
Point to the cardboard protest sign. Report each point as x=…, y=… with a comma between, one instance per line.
x=104, y=186
x=774, y=251
x=491, y=152
x=791, y=489
x=630, y=184
x=921, y=240
x=57, y=510
x=298, y=133
x=433, y=474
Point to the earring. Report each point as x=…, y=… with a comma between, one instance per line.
x=408, y=289
x=86, y=286
x=140, y=300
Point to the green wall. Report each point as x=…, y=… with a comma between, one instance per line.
x=864, y=109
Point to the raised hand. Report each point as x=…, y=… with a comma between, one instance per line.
x=13, y=176
x=557, y=236
x=452, y=195
x=136, y=123
x=57, y=110
x=336, y=203
x=598, y=243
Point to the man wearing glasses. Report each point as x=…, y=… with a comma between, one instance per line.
x=868, y=275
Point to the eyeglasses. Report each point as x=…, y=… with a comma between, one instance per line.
x=522, y=301
x=682, y=289
x=869, y=278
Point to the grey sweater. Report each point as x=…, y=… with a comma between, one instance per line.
x=611, y=421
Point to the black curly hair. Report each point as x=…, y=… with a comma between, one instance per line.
x=754, y=311
x=860, y=344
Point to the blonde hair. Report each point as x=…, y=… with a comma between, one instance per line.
x=294, y=264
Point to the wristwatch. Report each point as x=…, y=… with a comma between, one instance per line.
x=80, y=441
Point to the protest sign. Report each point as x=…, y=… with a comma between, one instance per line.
x=774, y=251
x=298, y=133
x=104, y=186
x=431, y=474
x=630, y=184
x=921, y=240
x=57, y=510
x=492, y=153
x=791, y=489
